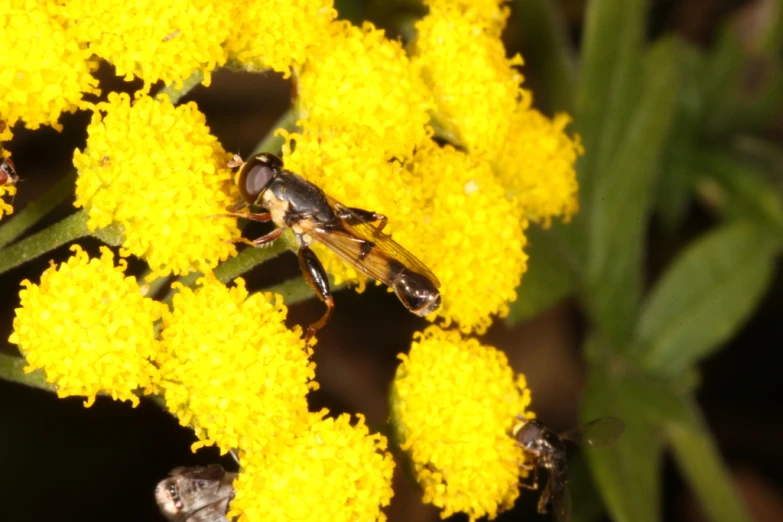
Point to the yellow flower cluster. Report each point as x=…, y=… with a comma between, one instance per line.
x=153, y=40
x=45, y=69
x=277, y=34
x=89, y=328
x=231, y=369
x=7, y=183
x=332, y=471
x=454, y=403
x=156, y=170
x=481, y=104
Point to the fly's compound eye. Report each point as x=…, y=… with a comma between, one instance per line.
x=529, y=433
x=256, y=175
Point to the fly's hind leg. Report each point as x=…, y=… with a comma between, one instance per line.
x=364, y=216
x=261, y=241
x=315, y=275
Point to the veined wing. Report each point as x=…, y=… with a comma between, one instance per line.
x=600, y=432
x=362, y=246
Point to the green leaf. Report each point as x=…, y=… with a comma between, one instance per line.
x=704, y=297
x=627, y=472
x=607, y=87
x=622, y=199
x=549, y=279
x=12, y=369
x=745, y=192
x=699, y=460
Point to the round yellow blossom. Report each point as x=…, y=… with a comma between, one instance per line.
x=6, y=190
x=332, y=471
x=151, y=39
x=89, y=328
x=475, y=86
x=364, y=83
x=454, y=403
x=536, y=165
x=278, y=34
x=156, y=170
x=462, y=227
x=492, y=14
x=45, y=69
x=231, y=368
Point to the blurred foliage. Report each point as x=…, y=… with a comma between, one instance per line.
x=665, y=125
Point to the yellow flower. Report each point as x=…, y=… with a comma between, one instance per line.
x=231, y=369
x=151, y=39
x=489, y=13
x=156, y=170
x=277, y=34
x=360, y=83
x=6, y=208
x=465, y=230
x=45, y=70
x=454, y=403
x=475, y=86
x=536, y=165
x=333, y=471
x=89, y=328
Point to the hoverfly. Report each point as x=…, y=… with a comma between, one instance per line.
x=295, y=203
x=197, y=494
x=546, y=449
x=8, y=175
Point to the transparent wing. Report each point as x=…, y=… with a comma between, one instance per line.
x=362, y=246
x=600, y=432
x=561, y=502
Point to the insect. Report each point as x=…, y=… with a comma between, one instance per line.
x=546, y=449
x=197, y=494
x=8, y=175
x=354, y=234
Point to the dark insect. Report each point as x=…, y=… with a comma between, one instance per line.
x=8, y=175
x=198, y=494
x=354, y=234
x=546, y=449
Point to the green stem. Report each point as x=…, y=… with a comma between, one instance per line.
x=64, y=231
x=272, y=142
x=12, y=369
x=175, y=93
x=19, y=223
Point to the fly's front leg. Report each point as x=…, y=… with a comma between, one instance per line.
x=534, y=485
x=261, y=241
x=315, y=275
x=261, y=217
x=364, y=216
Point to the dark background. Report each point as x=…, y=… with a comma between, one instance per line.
x=60, y=461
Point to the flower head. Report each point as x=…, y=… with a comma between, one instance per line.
x=536, y=165
x=45, y=69
x=475, y=86
x=156, y=170
x=454, y=403
x=231, y=368
x=466, y=231
x=332, y=471
x=278, y=34
x=491, y=14
x=89, y=328
x=361, y=85
x=153, y=40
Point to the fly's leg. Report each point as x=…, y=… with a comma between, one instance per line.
x=263, y=217
x=544, y=500
x=534, y=485
x=315, y=275
x=236, y=207
x=364, y=216
x=261, y=241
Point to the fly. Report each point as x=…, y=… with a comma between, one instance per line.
x=197, y=494
x=546, y=449
x=354, y=234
